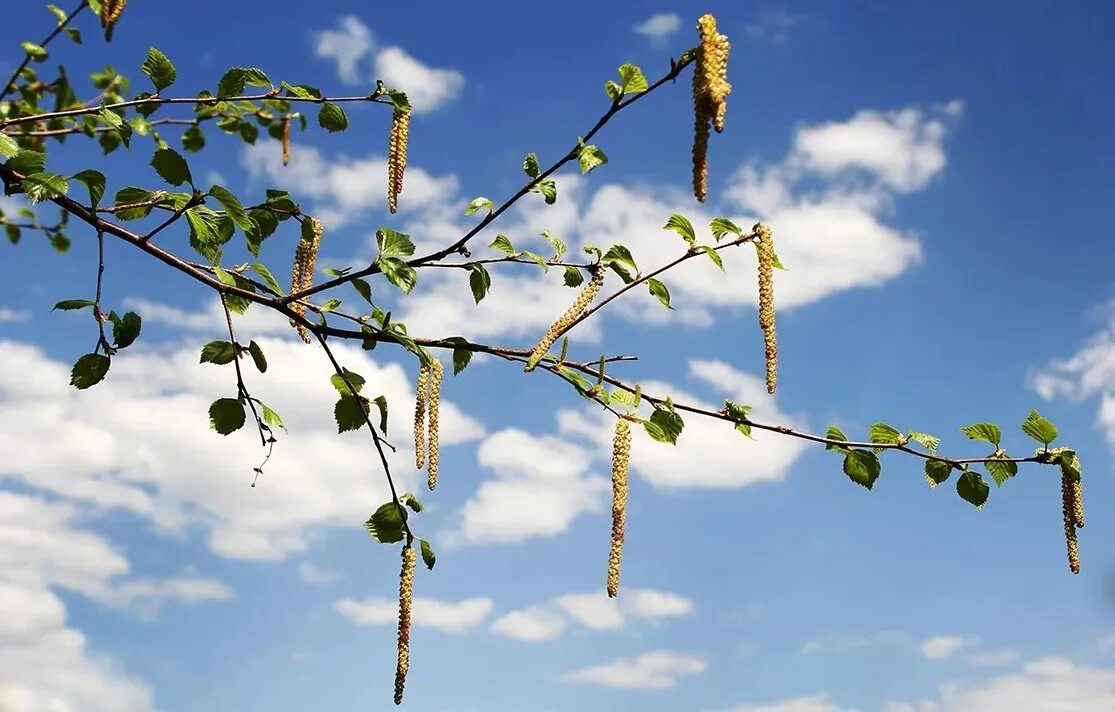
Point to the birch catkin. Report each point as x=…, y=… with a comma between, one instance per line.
x=110, y=13
x=420, y=416
x=588, y=293
x=436, y=373
x=397, y=156
x=1078, y=503
x=1068, y=512
x=710, y=92
x=765, y=246
x=302, y=273
x=406, y=594
x=621, y=460
x=286, y=140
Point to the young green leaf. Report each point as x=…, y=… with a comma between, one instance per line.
x=723, y=226
x=659, y=291
x=332, y=118
x=381, y=404
x=411, y=501
x=573, y=277
x=988, y=432
x=219, y=352
x=712, y=255
x=428, y=556
x=34, y=51
x=530, y=165
x=73, y=304
x=927, y=441
x=94, y=181
x=257, y=356
x=388, y=524
x=862, y=467
x=354, y=378
x=8, y=146
x=89, y=370
x=171, y=167
x=669, y=423
x=555, y=242
x=350, y=413
x=160, y=69
x=394, y=244
x=548, y=189
x=270, y=417
x=632, y=80
x=835, y=433
x=502, y=244
x=398, y=273
x=1001, y=471
x=681, y=225
x=126, y=330
x=972, y=488
x=268, y=279
x=226, y=415
x=44, y=186
x=233, y=208
x=1039, y=428
x=478, y=203
x=937, y=472
x=590, y=157
x=883, y=433
x=479, y=281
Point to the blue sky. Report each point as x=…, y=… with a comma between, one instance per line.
x=935, y=177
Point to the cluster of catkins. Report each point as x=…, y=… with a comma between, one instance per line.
x=1072, y=508
x=406, y=595
x=427, y=400
x=621, y=460
x=302, y=274
x=765, y=247
x=397, y=156
x=566, y=320
x=710, y=93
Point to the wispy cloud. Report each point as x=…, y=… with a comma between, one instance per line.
x=659, y=27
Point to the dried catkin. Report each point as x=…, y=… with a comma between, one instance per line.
x=420, y=417
x=110, y=13
x=1069, y=515
x=588, y=293
x=765, y=246
x=302, y=273
x=621, y=460
x=397, y=156
x=436, y=373
x=406, y=593
x=286, y=140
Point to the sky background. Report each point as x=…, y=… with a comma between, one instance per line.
x=936, y=178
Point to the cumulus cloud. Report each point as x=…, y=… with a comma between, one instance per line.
x=7, y=314
x=656, y=670
x=943, y=647
x=446, y=616
x=140, y=442
x=535, y=624
x=808, y=703
x=658, y=27
x=311, y=574
x=350, y=43
x=595, y=611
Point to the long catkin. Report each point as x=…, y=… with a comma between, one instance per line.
x=434, y=405
x=420, y=416
x=621, y=460
x=588, y=293
x=1069, y=515
x=765, y=247
x=302, y=272
x=397, y=156
x=710, y=92
x=406, y=595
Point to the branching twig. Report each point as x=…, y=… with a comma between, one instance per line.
x=10, y=84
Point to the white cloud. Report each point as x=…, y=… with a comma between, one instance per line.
x=991, y=658
x=311, y=574
x=593, y=610
x=809, y=703
x=812, y=646
x=943, y=647
x=540, y=487
x=773, y=26
x=446, y=616
x=658, y=27
x=1046, y=685
x=12, y=315
x=426, y=87
x=535, y=624
x=656, y=670
x=140, y=442
x=348, y=45
x=709, y=453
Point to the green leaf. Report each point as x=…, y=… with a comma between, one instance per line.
x=257, y=356
x=354, y=378
x=233, y=208
x=8, y=146
x=131, y=195
x=1039, y=428
x=573, y=277
x=1001, y=471
x=632, y=79
x=44, y=186
x=233, y=81
x=659, y=291
x=193, y=139
x=34, y=51
x=502, y=244
x=590, y=157
x=235, y=302
x=270, y=417
x=548, y=189
x=681, y=225
x=555, y=242
x=268, y=279
x=536, y=259
x=73, y=304
x=530, y=165
x=883, y=433
x=669, y=422
x=226, y=415
x=171, y=167
x=1070, y=463
x=411, y=501
x=835, y=433
x=398, y=273
x=479, y=280
x=27, y=162
x=478, y=203
x=739, y=413
x=388, y=524
x=381, y=404
x=937, y=472
x=219, y=352
x=712, y=255
x=927, y=441
x=363, y=288
x=862, y=467
x=620, y=260
x=126, y=331
x=73, y=33
x=350, y=412
x=94, y=181
x=428, y=556
x=973, y=488
x=57, y=12
x=722, y=226
x=461, y=359
x=988, y=432
x=89, y=370
x=394, y=244
x=332, y=118
x=159, y=69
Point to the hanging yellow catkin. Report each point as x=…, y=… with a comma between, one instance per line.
x=110, y=13
x=588, y=293
x=621, y=460
x=420, y=416
x=302, y=273
x=1078, y=503
x=765, y=246
x=710, y=90
x=406, y=594
x=436, y=373
x=397, y=156
x=1067, y=510
x=719, y=88
x=286, y=140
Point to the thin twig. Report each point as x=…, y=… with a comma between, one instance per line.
x=27, y=58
